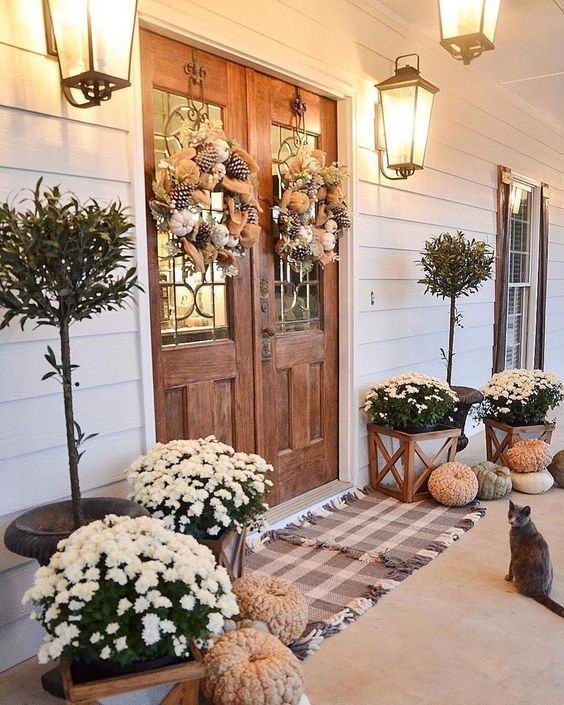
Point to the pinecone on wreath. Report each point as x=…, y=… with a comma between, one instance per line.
x=206, y=158
x=252, y=213
x=300, y=253
x=293, y=224
x=341, y=216
x=237, y=168
x=203, y=236
x=181, y=196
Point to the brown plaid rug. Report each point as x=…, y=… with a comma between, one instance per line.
x=348, y=554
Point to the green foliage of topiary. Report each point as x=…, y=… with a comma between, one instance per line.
x=61, y=262
x=454, y=266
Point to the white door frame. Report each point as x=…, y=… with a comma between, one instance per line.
x=287, y=66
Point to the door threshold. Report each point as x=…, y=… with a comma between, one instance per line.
x=284, y=513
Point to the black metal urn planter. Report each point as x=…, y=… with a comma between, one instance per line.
x=467, y=398
x=36, y=533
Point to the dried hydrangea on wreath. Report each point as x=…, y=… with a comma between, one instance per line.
x=209, y=161
x=313, y=211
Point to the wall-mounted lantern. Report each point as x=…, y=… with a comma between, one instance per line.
x=93, y=42
x=468, y=27
x=406, y=102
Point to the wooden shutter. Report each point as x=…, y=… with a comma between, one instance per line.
x=504, y=183
x=542, y=278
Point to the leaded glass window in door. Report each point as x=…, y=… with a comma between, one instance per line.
x=297, y=294
x=194, y=306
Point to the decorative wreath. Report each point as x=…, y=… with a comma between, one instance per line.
x=313, y=211
x=209, y=161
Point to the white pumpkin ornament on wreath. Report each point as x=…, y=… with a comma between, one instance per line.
x=313, y=212
x=207, y=161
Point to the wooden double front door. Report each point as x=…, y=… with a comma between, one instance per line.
x=253, y=358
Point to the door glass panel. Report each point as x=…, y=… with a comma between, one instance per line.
x=296, y=293
x=193, y=305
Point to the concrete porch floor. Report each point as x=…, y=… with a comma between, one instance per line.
x=453, y=633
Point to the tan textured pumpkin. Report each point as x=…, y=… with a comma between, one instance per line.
x=248, y=667
x=532, y=482
x=274, y=601
x=494, y=481
x=529, y=456
x=453, y=484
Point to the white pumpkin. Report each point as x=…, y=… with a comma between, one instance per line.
x=232, y=241
x=220, y=235
x=222, y=149
x=182, y=222
x=331, y=226
x=306, y=236
x=328, y=241
x=532, y=482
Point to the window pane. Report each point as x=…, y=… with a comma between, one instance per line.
x=194, y=306
x=519, y=276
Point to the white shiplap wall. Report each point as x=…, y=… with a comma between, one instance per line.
x=342, y=47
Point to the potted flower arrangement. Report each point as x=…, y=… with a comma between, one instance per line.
x=62, y=262
x=515, y=407
x=455, y=266
x=407, y=439
x=127, y=594
x=205, y=489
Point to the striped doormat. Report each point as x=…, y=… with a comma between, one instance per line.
x=345, y=556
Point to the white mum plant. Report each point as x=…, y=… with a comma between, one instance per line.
x=127, y=590
x=520, y=396
x=201, y=487
x=409, y=400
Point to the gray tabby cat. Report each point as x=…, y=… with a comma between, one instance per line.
x=530, y=564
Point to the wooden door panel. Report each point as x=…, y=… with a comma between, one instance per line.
x=300, y=369
x=205, y=387
x=300, y=472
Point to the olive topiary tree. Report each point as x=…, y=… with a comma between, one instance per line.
x=62, y=262
x=454, y=266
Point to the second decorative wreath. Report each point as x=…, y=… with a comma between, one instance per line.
x=313, y=211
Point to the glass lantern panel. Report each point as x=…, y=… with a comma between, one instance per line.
x=194, y=306
x=398, y=109
x=423, y=109
x=459, y=17
x=491, y=12
x=70, y=26
x=112, y=30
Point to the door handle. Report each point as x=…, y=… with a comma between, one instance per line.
x=268, y=332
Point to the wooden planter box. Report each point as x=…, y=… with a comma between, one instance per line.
x=400, y=463
x=500, y=437
x=229, y=551
x=185, y=676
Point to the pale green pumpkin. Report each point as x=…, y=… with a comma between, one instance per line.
x=494, y=481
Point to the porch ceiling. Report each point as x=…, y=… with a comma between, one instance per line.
x=529, y=52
